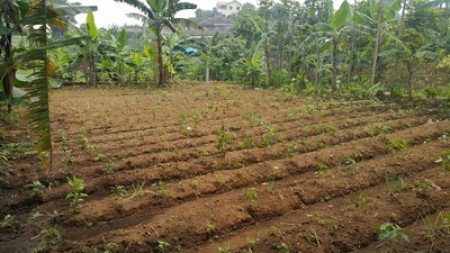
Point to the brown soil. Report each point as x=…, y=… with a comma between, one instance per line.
x=296, y=175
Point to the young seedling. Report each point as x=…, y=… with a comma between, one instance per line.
x=77, y=194
x=444, y=160
x=321, y=167
x=282, y=247
x=252, y=195
x=292, y=151
x=390, y=234
x=163, y=247
x=223, y=138
x=396, y=146
x=162, y=191
x=118, y=191
x=6, y=221
x=36, y=189
x=210, y=228
x=362, y=200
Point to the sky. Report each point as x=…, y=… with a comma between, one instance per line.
x=113, y=13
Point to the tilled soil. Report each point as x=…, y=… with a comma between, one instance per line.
x=292, y=175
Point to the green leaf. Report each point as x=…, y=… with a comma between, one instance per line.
x=342, y=16
x=122, y=39
x=91, y=27
x=158, y=6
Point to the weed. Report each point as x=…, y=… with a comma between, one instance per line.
x=377, y=129
x=118, y=191
x=396, y=146
x=271, y=187
x=138, y=190
x=110, y=168
x=362, y=200
x=7, y=221
x=35, y=215
x=77, y=194
x=252, y=195
x=330, y=129
x=390, y=234
x=395, y=185
x=269, y=137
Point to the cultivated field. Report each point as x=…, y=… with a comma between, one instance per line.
x=236, y=170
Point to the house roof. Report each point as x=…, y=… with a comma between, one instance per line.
x=216, y=22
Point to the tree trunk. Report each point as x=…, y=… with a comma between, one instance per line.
x=268, y=67
x=318, y=66
x=8, y=79
x=377, y=47
x=207, y=75
x=160, y=57
x=410, y=68
x=334, y=79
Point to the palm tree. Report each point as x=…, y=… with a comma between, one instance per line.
x=157, y=14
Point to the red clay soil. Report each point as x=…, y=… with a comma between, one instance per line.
x=294, y=175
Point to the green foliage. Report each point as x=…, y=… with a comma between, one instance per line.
x=223, y=139
x=6, y=221
x=282, y=247
x=77, y=194
x=118, y=191
x=390, y=234
x=444, y=159
x=252, y=195
x=36, y=189
x=362, y=200
x=163, y=247
x=396, y=146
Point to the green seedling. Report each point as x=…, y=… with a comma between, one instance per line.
x=6, y=221
x=77, y=194
x=223, y=139
x=138, y=190
x=348, y=161
x=252, y=195
x=396, y=146
x=162, y=191
x=389, y=235
x=163, y=247
x=444, y=160
x=321, y=167
x=36, y=189
x=362, y=200
x=226, y=249
x=118, y=191
x=210, y=228
x=282, y=247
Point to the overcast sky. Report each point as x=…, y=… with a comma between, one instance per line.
x=110, y=12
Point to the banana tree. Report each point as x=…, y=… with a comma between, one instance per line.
x=11, y=22
x=158, y=14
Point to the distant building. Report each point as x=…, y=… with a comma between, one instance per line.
x=229, y=8
x=218, y=24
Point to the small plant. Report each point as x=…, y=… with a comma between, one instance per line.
x=362, y=200
x=224, y=249
x=444, y=160
x=138, y=190
x=330, y=129
x=281, y=247
x=210, y=228
x=271, y=187
x=321, y=167
x=396, y=146
x=269, y=137
x=6, y=221
x=292, y=151
x=348, y=161
x=118, y=191
x=77, y=194
x=390, y=234
x=252, y=195
x=36, y=189
x=162, y=191
x=223, y=138
x=163, y=247
x=377, y=129
x=110, y=168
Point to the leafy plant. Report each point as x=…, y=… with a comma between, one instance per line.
x=321, y=167
x=7, y=221
x=77, y=194
x=362, y=200
x=396, y=146
x=210, y=228
x=36, y=189
x=163, y=247
x=390, y=234
x=223, y=138
x=282, y=247
x=118, y=191
x=444, y=160
x=252, y=195
x=226, y=249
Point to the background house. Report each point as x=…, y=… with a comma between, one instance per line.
x=229, y=8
